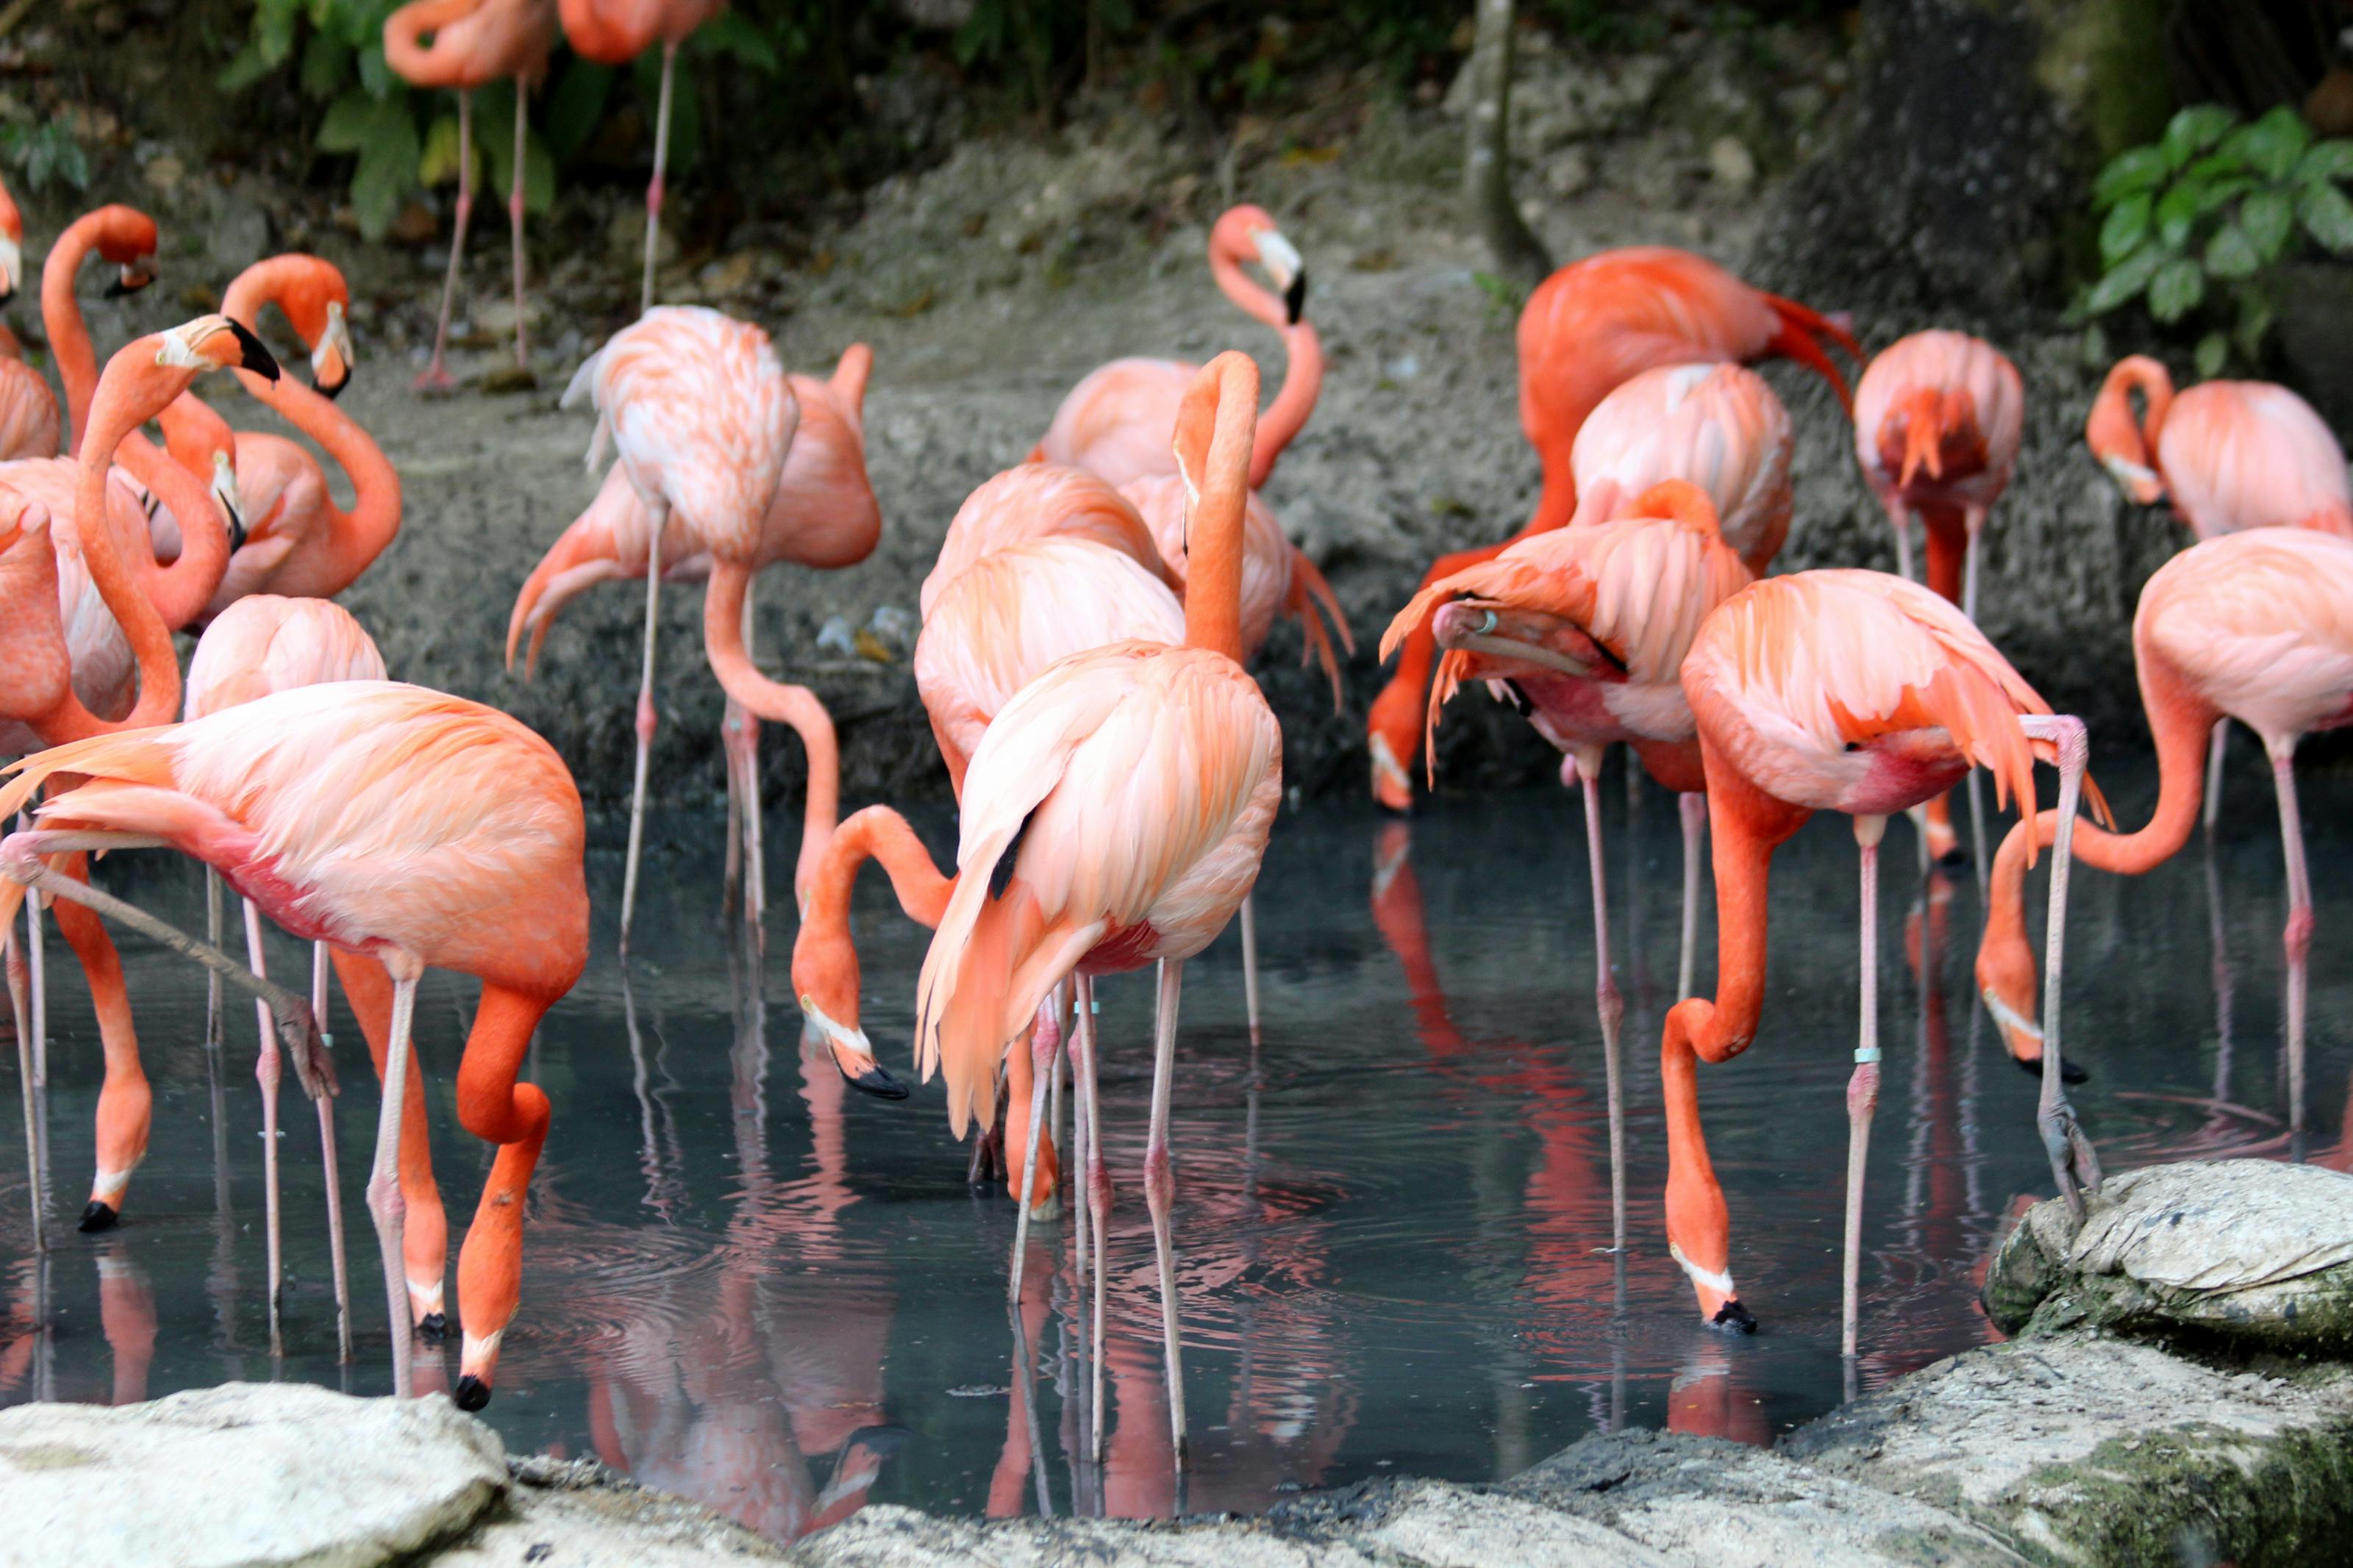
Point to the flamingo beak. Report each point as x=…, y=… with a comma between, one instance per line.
x=1470, y=628
x=2136, y=480
x=331, y=360
x=224, y=494
x=1391, y=786
x=12, y=269
x=1283, y=263
x=135, y=276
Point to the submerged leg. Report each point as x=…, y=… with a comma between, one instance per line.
x=384, y=1198
x=755, y=855
x=655, y=523
x=329, y=1167
x=21, y=1011
x=1160, y=1195
x=265, y=1068
x=212, y=979
x=1097, y=1186
x=1045, y=1051
x=1694, y=807
x=436, y=376
x=1586, y=763
x=2215, y=751
x=425, y=1226
x=1863, y=1088
x=2074, y=1164
x=1250, y=964
x=2297, y=939
x=515, y=183
x=1978, y=831
x=654, y=186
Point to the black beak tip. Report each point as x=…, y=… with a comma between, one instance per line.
x=254, y=354
x=2068, y=1072
x=433, y=1327
x=333, y=391
x=1294, y=298
x=471, y=1392
x=1735, y=1318
x=7, y=293
x=99, y=1216
x=875, y=1081
x=235, y=533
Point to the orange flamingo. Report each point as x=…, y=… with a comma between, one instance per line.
x=258, y=645
x=2229, y=454
x=703, y=418
x=2256, y=626
x=417, y=828
x=1584, y=629
x=614, y=33
x=43, y=573
x=1116, y=813
x=474, y=43
x=824, y=516
x=1864, y=693
x=1937, y=420
x=1588, y=328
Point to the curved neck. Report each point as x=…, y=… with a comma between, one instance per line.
x=2157, y=394
x=113, y=416
x=179, y=591
x=405, y=29
x=358, y=536
x=1302, y=382
x=1948, y=546
x=1215, y=462
x=62, y=318
x=722, y=644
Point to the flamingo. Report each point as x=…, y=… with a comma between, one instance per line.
x=41, y=580
x=614, y=33
x=1937, y=420
x=704, y=418
x=1587, y=329
x=1114, y=814
x=1584, y=629
x=1718, y=426
x=121, y=235
x=259, y=645
x=2256, y=626
x=2229, y=454
x=475, y=42
x=1865, y=693
x=28, y=412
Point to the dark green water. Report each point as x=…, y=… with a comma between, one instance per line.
x=746, y=1284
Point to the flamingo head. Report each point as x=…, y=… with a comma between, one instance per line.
x=2122, y=443
x=1247, y=232
x=127, y=237
x=825, y=978
x=1510, y=641
x=1932, y=432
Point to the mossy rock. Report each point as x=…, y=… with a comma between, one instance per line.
x=2251, y=1251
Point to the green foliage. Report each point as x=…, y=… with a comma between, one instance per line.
x=44, y=152
x=2195, y=222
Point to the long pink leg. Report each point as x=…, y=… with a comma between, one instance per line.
x=266, y=1069
x=659, y=518
x=2074, y=1164
x=2298, y=937
x=1899, y=517
x=2215, y=750
x=1694, y=808
x=1045, y=1060
x=1160, y=1196
x=126, y=1101
x=386, y=1205
x=436, y=374
x=514, y=214
x=756, y=854
x=212, y=981
x=329, y=1166
x=654, y=186
x=1097, y=1186
x=1250, y=964
x=1863, y=1088
x=1585, y=765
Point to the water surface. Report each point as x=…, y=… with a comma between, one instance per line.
x=747, y=1284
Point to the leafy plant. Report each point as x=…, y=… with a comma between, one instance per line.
x=46, y=152
x=2194, y=223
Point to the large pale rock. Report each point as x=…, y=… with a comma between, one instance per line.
x=577, y=1514
x=2248, y=1250
x=245, y=1474
x=2085, y=1448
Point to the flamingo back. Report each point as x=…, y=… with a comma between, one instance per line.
x=2261, y=625
x=2249, y=454
x=1036, y=501
x=1018, y=610
x=1719, y=426
x=474, y=42
x=702, y=415
x=264, y=643
x=1116, y=422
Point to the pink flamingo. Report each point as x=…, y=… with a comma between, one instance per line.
x=1937, y=420
x=1589, y=328
x=41, y=589
x=2256, y=626
x=1114, y=814
x=259, y=645
x=29, y=424
x=1038, y=499
x=475, y=42
x=1864, y=693
x=1584, y=629
x=704, y=418
x=418, y=828
x=614, y=33
x=1718, y=426
x=2230, y=455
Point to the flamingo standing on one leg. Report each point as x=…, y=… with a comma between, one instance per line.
x=1937, y=420
x=614, y=33
x=258, y=645
x=421, y=829
x=1115, y=812
x=47, y=639
x=2256, y=626
x=1587, y=329
x=2230, y=455
x=824, y=516
x=1585, y=629
x=704, y=418
x=1860, y=692
x=475, y=42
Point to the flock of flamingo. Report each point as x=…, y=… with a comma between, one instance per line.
x=1086, y=639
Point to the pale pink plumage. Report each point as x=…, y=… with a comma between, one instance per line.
x=2261, y=623
x=2247, y=453
x=1039, y=500
x=1718, y=426
x=266, y=642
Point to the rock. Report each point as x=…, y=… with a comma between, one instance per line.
x=243, y=1474
x=882, y=1536
x=1705, y=1499
x=580, y=1515
x=165, y=174
x=2084, y=1449
x=1734, y=167
x=2252, y=1250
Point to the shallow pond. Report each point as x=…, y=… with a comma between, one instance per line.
x=745, y=1283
